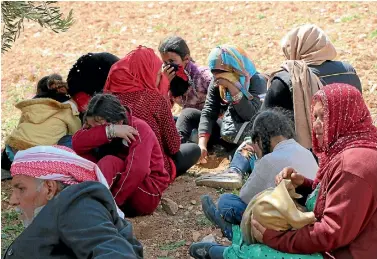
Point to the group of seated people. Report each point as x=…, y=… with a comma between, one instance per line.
x=104, y=145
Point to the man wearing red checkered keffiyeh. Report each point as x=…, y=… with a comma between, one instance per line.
x=65, y=199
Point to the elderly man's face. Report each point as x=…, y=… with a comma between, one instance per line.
x=28, y=195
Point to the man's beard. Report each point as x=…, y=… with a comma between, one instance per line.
x=27, y=221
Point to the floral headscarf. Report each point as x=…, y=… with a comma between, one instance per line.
x=347, y=124
x=236, y=66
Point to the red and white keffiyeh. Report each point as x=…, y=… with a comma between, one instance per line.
x=57, y=163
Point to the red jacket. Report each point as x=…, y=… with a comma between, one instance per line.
x=151, y=107
x=143, y=157
x=346, y=213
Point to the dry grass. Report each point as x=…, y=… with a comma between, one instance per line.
x=120, y=26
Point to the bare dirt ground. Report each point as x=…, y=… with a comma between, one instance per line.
x=117, y=27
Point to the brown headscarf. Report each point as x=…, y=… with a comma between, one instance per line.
x=303, y=46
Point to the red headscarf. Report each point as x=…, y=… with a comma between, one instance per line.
x=136, y=71
x=347, y=124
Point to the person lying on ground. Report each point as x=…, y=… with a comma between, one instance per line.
x=136, y=80
x=66, y=208
x=236, y=89
x=345, y=140
x=272, y=142
x=310, y=64
x=50, y=118
x=128, y=153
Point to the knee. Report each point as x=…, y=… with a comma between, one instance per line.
x=226, y=201
x=188, y=113
x=112, y=162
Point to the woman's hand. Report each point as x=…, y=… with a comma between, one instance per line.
x=290, y=173
x=168, y=72
x=257, y=230
x=126, y=132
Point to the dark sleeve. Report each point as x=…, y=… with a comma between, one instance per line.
x=304, y=189
x=211, y=110
x=87, y=228
x=245, y=108
x=169, y=133
x=278, y=95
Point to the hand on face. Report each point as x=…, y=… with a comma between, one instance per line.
x=168, y=72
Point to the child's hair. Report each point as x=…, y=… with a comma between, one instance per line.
x=107, y=107
x=90, y=72
x=178, y=86
x=174, y=44
x=43, y=84
x=52, y=87
x=271, y=123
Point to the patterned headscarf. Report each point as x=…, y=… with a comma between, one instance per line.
x=347, y=124
x=57, y=163
x=236, y=66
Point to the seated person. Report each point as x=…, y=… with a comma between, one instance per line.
x=49, y=118
x=273, y=143
x=137, y=81
x=66, y=208
x=88, y=77
x=188, y=82
x=236, y=88
x=310, y=64
x=127, y=151
x=346, y=217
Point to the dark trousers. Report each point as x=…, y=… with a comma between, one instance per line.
x=189, y=120
x=187, y=156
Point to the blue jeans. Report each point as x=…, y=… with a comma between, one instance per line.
x=231, y=208
x=244, y=164
x=66, y=141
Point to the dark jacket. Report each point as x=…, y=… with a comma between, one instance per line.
x=280, y=92
x=80, y=222
x=238, y=113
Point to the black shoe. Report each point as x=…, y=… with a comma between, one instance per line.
x=213, y=214
x=201, y=250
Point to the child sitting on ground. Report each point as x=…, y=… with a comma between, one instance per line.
x=50, y=118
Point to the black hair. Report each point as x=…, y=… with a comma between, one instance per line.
x=44, y=90
x=108, y=107
x=178, y=86
x=174, y=44
x=90, y=72
x=271, y=123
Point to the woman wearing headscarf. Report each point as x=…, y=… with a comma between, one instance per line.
x=137, y=81
x=235, y=94
x=310, y=65
x=345, y=141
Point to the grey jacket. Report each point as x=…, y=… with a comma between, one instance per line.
x=286, y=153
x=238, y=113
x=80, y=222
